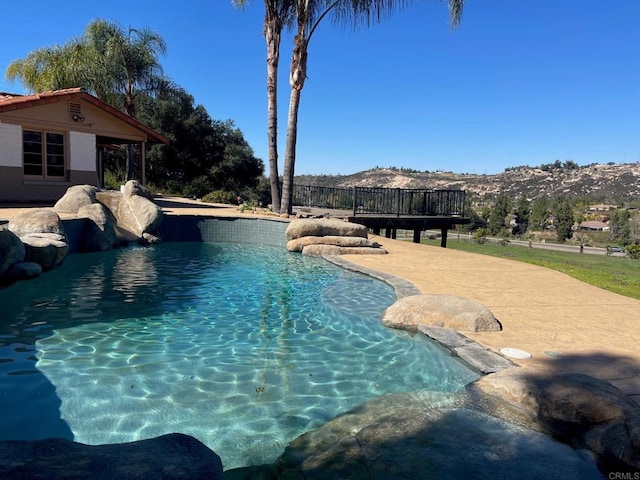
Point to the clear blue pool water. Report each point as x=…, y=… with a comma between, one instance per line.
x=243, y=347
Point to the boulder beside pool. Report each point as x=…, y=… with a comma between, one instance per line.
x=448, y=311
x=330, y=236
x=574, y=408
x=320, y=227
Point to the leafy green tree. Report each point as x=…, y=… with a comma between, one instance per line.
x=563, y=220
x=619, y=226
x=498, y=219
x=204, y=154
x=522, y=212
x=540, y=213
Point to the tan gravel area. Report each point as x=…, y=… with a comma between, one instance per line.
x=566, y=325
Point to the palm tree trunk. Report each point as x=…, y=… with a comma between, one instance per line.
x=272, y=36
x=297, y=77
x=290, y=152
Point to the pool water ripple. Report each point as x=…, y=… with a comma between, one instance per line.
x=243, y=347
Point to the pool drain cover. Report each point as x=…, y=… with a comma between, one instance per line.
x=514, y=353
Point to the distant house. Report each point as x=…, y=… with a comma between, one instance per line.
x=593, y=226
x=601, y=208
x=50, y=141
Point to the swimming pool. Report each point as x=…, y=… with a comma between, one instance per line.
x=243, y=347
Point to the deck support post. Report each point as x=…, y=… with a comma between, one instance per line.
x=443, y=241
x=416, y=235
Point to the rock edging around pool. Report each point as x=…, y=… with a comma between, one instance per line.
x=35, y=240
x=330, y=236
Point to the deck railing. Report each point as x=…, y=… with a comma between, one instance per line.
x=382, y=201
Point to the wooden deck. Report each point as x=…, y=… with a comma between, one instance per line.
x=390, y=209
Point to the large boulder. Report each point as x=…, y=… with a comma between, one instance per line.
x=75, y=198
x=449, y=311
x=140, y=215
x=426, y=435
x=320, y=227
x=169, y=457
x=36, y=220
x=298, y=244
x=135, y=214
x=133, y=188
x=575, y=408
x=11, y=250
x=100, y=233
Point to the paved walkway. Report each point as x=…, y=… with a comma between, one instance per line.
x=566, y=325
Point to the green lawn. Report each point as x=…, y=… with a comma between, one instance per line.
x=616, y=274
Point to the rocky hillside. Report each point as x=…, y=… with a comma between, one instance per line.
x=608, y=183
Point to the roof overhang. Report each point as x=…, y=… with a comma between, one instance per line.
x=10, y=102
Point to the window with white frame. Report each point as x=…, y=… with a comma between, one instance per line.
x=43, y=154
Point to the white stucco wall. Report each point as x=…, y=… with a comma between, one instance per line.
x=82, y=151
x=10, y=145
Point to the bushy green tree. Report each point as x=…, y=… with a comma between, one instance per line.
x=563, y=220
x=619, y=226
x=522, y=212
x=540, y=213
x=204, y=154
x=499, y=217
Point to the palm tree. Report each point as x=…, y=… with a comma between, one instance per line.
x=127, y=62
x=278, y=14
x=51, y=68
x=309, y=14
x=127, y=65
x=115, y=65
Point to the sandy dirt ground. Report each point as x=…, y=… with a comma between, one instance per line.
x=566, y=325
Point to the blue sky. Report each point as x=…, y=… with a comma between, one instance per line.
x=519, y=82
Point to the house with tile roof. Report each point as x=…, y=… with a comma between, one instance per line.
x=594, y=226
x=50, y=141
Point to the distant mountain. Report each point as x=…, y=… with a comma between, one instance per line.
x=609, y=183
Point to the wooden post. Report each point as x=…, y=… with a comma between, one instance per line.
x=393, y=233
x=416, y=235
x=443, y=241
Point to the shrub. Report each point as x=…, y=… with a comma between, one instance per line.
x=220, y=196
x=112, y=181
x=633, y=251
x=480, y=235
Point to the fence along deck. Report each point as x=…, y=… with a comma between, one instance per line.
x=389, y=208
